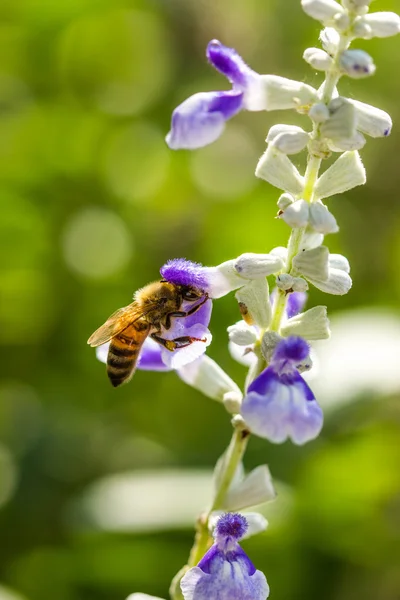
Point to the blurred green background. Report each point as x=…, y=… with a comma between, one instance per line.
x=99, y=487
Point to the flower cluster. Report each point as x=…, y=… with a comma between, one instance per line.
x=274, y=334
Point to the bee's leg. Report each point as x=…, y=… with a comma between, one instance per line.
x=182, y=313
x=172, y=345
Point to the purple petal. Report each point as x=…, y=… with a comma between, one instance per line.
x=183, y=356
x=290, y=352
x=150, y=357
x=285, y=408
x=200, y=119
x=230, y=525
x=228, y=62
x=185, y=272
x=295, y=304
x=221, y=577
x=202, y=315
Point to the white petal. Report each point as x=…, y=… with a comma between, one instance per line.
x=242, y=355
x=205, y=375
x=255, y=488
x=338, y=261
x=346, y=173
x=102, y=352
x=355, y=142
x=338, y=283
x=297, y=214
x=322, y=10
x=255, y=297
x=313, y=263
x=277, y=169
x=357, y=64
x=371, y=120
x=282, y=93
x=257, y=266
x=242, y=334
x=321, y=219
x=383, y=24
x=342, y=120
x=312, y=324
x=330, y=39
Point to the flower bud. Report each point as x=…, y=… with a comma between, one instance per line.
x=299, y=284
x=296, y=215
x=284, y=282
x=382, y=24
x=321, y=219
x=284, y=201
x=280, y=251
x=346, y=173
x=342, y=120
x=278, y=170
x=356, y=4
x=330, y=39
x=322, y=10
x=291, y=142
x=357, y=64
x=371, y=120
x=282, y=93
x=311, y=325
x=255, y=300
x=232, y=402
x=242, y=334
x=319, y=113
x=205, y=375
x=256, y=266
x=313, y=263
x=318, y=59
x=361, y=29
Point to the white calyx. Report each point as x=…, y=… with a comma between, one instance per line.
x=311, y=325
x=276, y=168
x=254, y=299
x=318, y=59
x=322, y=10
x=242, y=334
x=205, y=375
x=346, y=173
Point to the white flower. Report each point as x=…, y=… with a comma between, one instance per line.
x=311, y=325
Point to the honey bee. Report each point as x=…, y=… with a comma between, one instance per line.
x=152, y=309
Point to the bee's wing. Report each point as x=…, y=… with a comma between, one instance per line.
x=117, y=322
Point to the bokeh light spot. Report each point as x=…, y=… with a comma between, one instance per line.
x=8, y=477
x=225, y=170
x=97, y=243
x=136, y=161
x=119, y=59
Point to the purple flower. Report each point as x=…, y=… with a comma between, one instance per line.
x=278, y=403
x=295, y=303
x=200, y=119
x=225, y=571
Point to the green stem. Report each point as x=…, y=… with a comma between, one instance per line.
x=232, y=458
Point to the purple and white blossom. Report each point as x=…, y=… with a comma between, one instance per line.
x=225, y=571
x=200, y=119
x=279, y=404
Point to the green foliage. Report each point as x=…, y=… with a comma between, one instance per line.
x=92, y=204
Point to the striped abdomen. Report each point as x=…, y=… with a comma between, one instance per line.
x=124, y=351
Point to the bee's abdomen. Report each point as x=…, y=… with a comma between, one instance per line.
x=123, y=353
